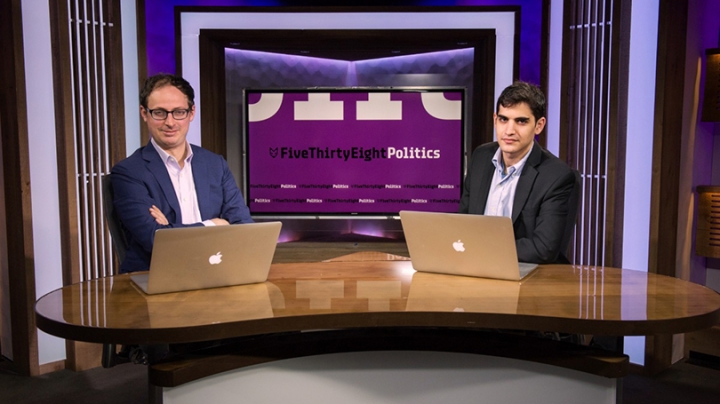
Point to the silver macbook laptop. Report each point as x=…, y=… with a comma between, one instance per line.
x=209, y=256
x=469, y=245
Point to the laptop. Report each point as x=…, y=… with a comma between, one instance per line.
x=204, y=257
x=468, y=245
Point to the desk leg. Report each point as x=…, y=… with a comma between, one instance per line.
x=155, y=393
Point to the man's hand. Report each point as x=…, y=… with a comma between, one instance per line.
x=158, y=216
x=162, y=220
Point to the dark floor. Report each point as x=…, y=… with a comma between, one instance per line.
x=684, y=382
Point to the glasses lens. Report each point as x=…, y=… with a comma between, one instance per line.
x=158, y=113
x=180, y=113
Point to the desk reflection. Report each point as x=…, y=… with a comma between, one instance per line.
x=448, y=293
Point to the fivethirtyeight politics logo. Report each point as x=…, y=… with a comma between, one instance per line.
x=378, y=107
x=331, y=150
x=354, y=153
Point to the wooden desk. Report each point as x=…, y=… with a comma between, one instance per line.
x=359, y=293
x=354, y=294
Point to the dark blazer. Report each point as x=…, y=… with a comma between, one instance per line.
x=540, y=207
x=142, y=180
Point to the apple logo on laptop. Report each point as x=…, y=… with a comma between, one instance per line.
x=215, y=258
x=459, y=246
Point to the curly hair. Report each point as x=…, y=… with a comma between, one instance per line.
x=162, y=80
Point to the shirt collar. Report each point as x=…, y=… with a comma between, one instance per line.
x=516, y=169
x=166, y=157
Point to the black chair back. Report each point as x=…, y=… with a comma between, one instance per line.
x=574, y=205
x=113, y=221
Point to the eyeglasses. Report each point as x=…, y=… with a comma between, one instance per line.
x=161, y=114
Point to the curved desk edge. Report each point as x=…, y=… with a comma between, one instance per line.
x=256, y=350
x=303, y=323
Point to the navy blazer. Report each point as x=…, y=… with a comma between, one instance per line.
x=541, y=207
x=142, y=180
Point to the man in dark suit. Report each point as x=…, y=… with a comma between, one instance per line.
x=517, y=178
x=170, y=183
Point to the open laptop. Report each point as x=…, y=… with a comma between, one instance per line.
x=209, y=256
x=469, y=245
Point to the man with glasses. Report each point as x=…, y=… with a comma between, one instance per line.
x=169, y=182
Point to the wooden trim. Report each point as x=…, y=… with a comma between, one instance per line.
x=516, y=42
x=213, y=124
x=51, y=367
x=64, y=137
x=565, y=88
x=618, y=125
x=544, y=61
x=116, y=108
x=669, y=96
x=669, y=92
x=18, y=202
x=483, y=104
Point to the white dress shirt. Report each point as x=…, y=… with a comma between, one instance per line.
x=502, y=189
x=184, y=184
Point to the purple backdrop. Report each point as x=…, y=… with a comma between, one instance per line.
x=343, y=154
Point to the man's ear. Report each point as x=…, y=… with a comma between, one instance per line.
x=540, y=125
x=143, y=113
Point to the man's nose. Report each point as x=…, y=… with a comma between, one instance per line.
x=510, y=127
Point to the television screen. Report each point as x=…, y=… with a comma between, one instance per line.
x=353, y=151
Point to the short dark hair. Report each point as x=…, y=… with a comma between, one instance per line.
x=519, y=92
x=162, y=80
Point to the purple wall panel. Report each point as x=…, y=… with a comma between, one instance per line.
x=160, y=29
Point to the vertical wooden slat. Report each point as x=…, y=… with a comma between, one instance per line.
x=94, y=139
x=95, y=77
x=91, y=137
x=104, y=263
x=587, y=132
x=581, y=94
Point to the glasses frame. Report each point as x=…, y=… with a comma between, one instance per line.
x=167, y=113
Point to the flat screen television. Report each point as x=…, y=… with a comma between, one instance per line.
x=353, y=151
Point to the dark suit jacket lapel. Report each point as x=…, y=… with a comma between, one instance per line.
x=202, y=188
x=156, y=166
x=525, y=183
x=485, y=181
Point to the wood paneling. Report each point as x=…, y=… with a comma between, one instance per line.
x=16, y=176
x=590, y=140
x=90, y=134
x=667, y=130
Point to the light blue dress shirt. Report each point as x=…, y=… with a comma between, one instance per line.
x=504, y=182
